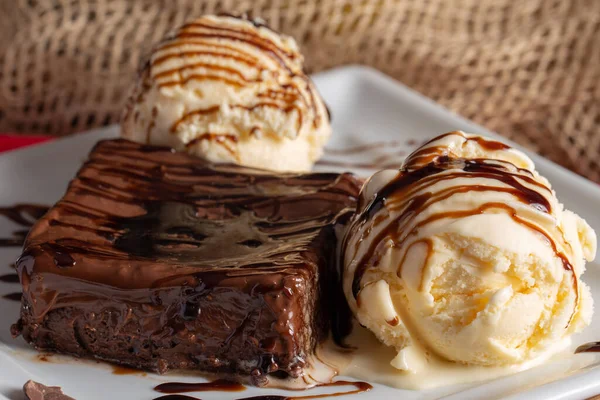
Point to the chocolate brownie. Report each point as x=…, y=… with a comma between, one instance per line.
x=158, y=260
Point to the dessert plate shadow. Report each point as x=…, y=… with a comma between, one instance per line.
x=377, y=122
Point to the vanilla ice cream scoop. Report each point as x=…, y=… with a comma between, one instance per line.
x=229, y=90
x=465, y=254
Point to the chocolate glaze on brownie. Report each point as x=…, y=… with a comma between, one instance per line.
x=157, y=260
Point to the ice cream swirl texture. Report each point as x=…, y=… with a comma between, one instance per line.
x=229, y=90
x=465, y=254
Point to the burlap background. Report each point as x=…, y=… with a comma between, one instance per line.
x=526, y=69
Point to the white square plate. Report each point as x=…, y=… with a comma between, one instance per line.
x=366, y=107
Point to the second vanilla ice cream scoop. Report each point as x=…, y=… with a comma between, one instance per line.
x=465, y=254
x=231, y=90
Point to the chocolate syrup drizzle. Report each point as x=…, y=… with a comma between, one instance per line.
x=360, y=387
x=163, y=220
x=426, y=154
x=24, y=215
x=13, y=296
x=233, y=45
x=431, y=165
x=11, y=242
x=592, y=347
x=9, y=278
x=122, y=370
x=220, y=385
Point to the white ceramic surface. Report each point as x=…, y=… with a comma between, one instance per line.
x=366, y=107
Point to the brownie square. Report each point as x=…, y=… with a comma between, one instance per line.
x=158, y=260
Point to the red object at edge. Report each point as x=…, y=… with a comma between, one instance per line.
x=11, y=141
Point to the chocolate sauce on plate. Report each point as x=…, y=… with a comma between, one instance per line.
x=22, y=214
x=25, y=215
x=11, y=242
x=9, y=278
x=13, y=296
x=219, y=385
x=122, y=370
x=360, y=387
x=592, y=347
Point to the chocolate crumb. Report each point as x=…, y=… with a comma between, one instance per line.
x=37, y=391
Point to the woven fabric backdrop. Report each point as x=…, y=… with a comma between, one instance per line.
x=528, y=69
